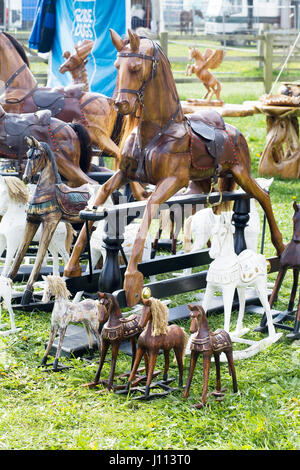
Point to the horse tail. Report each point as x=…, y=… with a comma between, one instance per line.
x=70, y=236
x=187, y=237
x=186, y=339
x=85, y=146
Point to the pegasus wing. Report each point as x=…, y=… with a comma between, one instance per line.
x=215, y=59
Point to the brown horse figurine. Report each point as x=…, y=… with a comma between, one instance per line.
x=70, y=142
x=158, y=335
x=75, y=63
x=51, y=202
x=164, y=150
x=114, y=331
x=290, y=258
x=208, y=344
x=209, y=60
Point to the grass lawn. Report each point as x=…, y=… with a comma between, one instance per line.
x=44, y=410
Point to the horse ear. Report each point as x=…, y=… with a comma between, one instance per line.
x=190, y=306
x=101, y=295
x=116, y=40
x=134, y=41
x=295, y=206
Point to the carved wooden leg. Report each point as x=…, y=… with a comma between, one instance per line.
x=179, y=358
x=194, y=357
x=62, y=332
x=206, y=369
x=152, y=362
x=73, y=267
x=139, y=354
x=49, y=226
x=53, y=332
x=167, y=365
x=30, y=231
x=249, y=185
x=104, y=349
x=134, y=280
x=232, y=371
x=294, y=289
x=115, y=346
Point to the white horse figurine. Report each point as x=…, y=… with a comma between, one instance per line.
x=6, y=295
x=199, y=226
x=64, y=311
x=229, y=271
x=98, y=252
x=13, y=198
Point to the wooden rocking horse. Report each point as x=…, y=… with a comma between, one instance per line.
x=208, y=344
x=158, y=335
x=167, y=149
x=70, y=143
x=22, y=95
x=114, y=331
x=51, y=202
x=290, y=258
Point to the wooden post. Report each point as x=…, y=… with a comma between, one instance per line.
x=263, y=27
x=164, y=42
x=268, y=61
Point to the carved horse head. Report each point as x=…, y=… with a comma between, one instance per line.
x=198, y=316
x=296, y=221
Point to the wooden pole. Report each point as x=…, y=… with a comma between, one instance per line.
x=164, y=42
x=268, y=61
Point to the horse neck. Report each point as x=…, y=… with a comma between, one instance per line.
x=47, y=180
x=80, y=75
x=11, y=61
x=227, y=247
x=203, y=328
x=160, y=101
x=115, y=316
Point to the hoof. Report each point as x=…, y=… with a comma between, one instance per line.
x=74, y=271
x=133, y=286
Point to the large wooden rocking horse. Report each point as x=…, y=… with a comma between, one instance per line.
x=22, y=95
x=51, y=202
x=168, y=149
x=70, y=143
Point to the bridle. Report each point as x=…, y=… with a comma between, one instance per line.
x=140, y=95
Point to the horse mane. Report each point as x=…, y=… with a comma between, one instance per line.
x=160, y=315
x=50, y=154
x=57, y=286
x=16, y=189
x=19, y=48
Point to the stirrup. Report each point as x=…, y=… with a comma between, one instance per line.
x=210, y=191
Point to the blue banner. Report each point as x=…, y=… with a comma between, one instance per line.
x=77, y=20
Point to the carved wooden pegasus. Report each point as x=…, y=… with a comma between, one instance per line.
x=209, y=60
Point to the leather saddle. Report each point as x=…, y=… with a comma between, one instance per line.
x=54, y=98
x=72, y=200
x=14, y=127
x=209, y=139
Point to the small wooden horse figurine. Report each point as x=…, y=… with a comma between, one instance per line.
x=75, y=63
x=158, y=335
x=89, y=312
x=114, y=331
x=290, y=258
x=51, y=202
x=208, y=344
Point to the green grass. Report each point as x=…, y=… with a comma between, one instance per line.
x=44, y=410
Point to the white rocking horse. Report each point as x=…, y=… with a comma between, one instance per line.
x=229, y=271
x=198, y=227
x=13, y=198
x=6, y=295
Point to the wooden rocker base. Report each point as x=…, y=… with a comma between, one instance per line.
x=160, y=384
x=254, y=347
x=49, y=367
x=115, y=388
x=8, y=332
